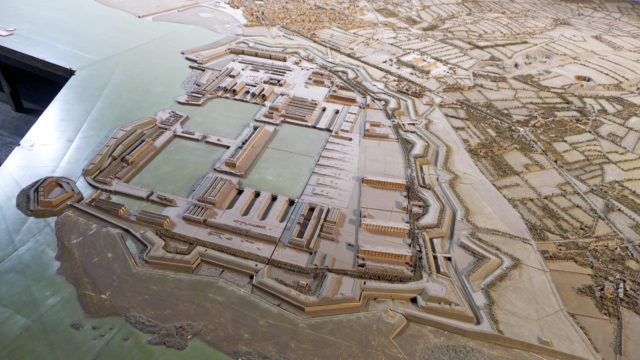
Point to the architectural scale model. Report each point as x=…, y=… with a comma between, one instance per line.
x=472, y=166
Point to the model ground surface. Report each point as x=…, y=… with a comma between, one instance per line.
x=330, y=168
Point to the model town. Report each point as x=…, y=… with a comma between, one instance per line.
x=472, y=166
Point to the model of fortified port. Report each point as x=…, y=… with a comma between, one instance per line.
x=358, y=226
x=356, y=212
x=469, y=166
x=323, y=192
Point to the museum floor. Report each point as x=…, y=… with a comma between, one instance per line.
x=37, y=93
x=13, y=126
